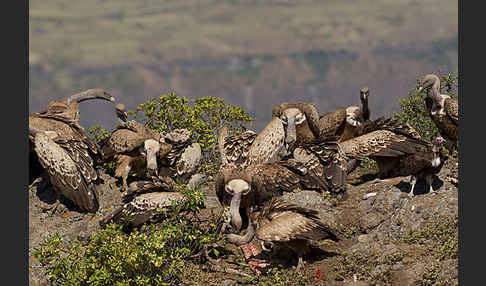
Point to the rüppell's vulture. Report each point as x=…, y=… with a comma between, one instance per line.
x=443, y=110
x=62, y=117
x=69, y=166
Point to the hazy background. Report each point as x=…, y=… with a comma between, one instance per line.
x=251, y=53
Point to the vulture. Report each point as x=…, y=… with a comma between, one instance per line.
x=241, y=185
x=443, y=110
x=303, y=124
x=422, y=165
x=69, y=166
x=249, y=148
x=386, y=141
x=147, y=201
x=184, y=156
x=134, y=147
x=279, y=225
x=240, y=188
x=356, y=115
x=62, y=117
x=315, y=142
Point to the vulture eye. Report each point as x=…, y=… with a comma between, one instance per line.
x=246, y=191
x=299, y=118
x=228, y=189
x=267, y=246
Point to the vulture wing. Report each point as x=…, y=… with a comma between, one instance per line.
x=282, y=221
x=452, y=109
x=70, y=169
x=332, y=123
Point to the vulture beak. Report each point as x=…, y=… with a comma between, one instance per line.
x=151, y=147
x=420, y=89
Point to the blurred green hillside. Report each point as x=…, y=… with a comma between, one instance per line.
x=252, y=53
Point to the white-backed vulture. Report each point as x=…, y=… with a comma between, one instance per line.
x=281, y=224
x=62, y=117
x=249, y=148
x=443, y=110
x=69, y=166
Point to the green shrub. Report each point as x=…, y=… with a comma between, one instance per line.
x=151, y=255
x=203, y=118
x=413, y=107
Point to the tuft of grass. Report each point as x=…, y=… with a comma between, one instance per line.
x=440, y=237
x=279, y=276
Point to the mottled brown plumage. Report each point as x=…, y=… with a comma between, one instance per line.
x=311, y=127
x=62, y=118
x=249, y=148
x=282, y=224
x=147, y=207
x=443, y=110
x=184, y=157
x=69, y=165
x=386, y=141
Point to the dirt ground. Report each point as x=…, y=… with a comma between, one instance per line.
x=373, y=249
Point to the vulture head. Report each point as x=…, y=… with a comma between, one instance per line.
x=150, y=150
x=300, y=121
x=94, y=93
x=121, y=112
x=437, y=143
x=363, y=94
x=430, y=80
x=236, y=188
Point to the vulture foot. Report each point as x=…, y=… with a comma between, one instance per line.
x=300, y=264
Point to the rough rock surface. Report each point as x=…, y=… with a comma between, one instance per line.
x=371, y=250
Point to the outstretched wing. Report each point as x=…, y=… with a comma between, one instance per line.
x=282, y=221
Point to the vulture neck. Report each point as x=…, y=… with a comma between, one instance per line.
x=304, y=133
x=435, y=94
x=243, y=239
x=365, y=111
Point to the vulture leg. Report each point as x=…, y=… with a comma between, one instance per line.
x=126, y=171
x=300, y=263
x=430, y=180
x=413, y=181
x=40, y=183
